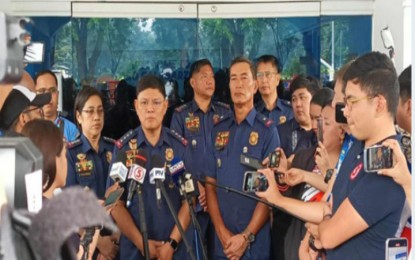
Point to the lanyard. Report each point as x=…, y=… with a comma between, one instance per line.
x=348, y=141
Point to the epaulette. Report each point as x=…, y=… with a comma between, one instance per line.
x=286, y=102
x=265, y=120
x=124, y=139
x=73, y=144
x=178, y=137
x=222, y=104
x=108, y=140
x=181, y=108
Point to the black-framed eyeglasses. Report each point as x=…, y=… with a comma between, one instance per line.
x=91, y=112
x=34, y=109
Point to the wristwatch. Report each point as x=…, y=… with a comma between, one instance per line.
x=329, y=174
x=173, y=243
x=249, y=236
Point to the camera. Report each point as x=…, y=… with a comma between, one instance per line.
x=274, y=159
x=254, y=181
x=377, y=157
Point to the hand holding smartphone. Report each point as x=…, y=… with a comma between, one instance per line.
x=254, y=181
x=113, y=197
x=377, y=157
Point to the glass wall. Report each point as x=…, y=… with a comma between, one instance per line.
x=103, y=51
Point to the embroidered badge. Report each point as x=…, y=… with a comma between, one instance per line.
x=356, y=171
x=253, y=138
x=169, y=154
x=283, y=119
x=222, y=139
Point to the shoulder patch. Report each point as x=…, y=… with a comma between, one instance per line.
x=108, y=140
x=178, y=137
x=73, y=144
x=224, y=105
x=286, y=102
x=264, y=120
x=181, y=108
x=124, y=139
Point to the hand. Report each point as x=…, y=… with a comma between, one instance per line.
x=272, y=194
x=202, y=196
x=322, y=158
x=152, y=246
x=236, y=247
x=165, y=251
x=107, y=248
x=112, y=188
x=312, y=229
x=295, y=176
x=224, y=236
x=399, y=172
x=304, y=251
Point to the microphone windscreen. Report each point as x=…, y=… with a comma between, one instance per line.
x=176, y=169
x=157, y=161
x=63, y=216
x=141, y=158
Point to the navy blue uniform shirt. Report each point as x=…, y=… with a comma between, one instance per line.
x=294, y=138
x=257, y=137
x=159, y=221
x=281, y=113
x=196, y=126
x=89, y=168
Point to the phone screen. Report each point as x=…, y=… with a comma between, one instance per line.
x=340, y=118
x=34, y=52
x=377, y=157
x=113, y=197
x=254, y=181
x=274, y=159
x=396, y=249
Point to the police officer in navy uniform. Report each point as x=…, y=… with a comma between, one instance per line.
x=242, y=225
x=268, y=80
x=153, y=139
x=89, y=156
x=195, y=120
x=296, y=133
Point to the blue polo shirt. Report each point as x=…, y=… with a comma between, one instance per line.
x=294, y=138
x=257, y=137
x=70, y=131
x=377, y=199
x=281, y=113
x=159, y=221
x=89, y=168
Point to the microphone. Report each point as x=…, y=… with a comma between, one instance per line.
x=137, y=174
x=157, y=175
x=118, y=171
x=181, y=179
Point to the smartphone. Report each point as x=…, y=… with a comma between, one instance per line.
x=34, y=52
x=320, y=129
x=274, y=159
x=113, y=197
x=251, y=162
x=254, y=181
x=396, y=249
x=377, y=157
x=340, y=118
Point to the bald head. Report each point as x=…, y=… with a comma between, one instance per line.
x=5, y=89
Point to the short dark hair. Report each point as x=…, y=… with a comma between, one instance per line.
x=376, y=75
x=197, y=65
x=46, y=72
x=82, y=98
x=340, y=73
x=151, y=81
x=323, y=97
x=49, y=140
x=242, y=59
x=268, y=58
x=310, y=83
x=405, y=84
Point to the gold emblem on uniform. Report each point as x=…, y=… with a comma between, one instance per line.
x=222, y=139
x=130, y=154
x=283, y=119
x=108, y=154
x=133, y=144
x=169, y=154
x=192, y=123
x=253, y=138
x=83, y=166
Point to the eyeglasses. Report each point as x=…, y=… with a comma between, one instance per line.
x=350, y=101
x=91, y=112
x=267, y=74
x=51, y=90
x=40, y=110
x=156, y=104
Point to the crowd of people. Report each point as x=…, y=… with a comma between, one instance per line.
x=327, y=204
